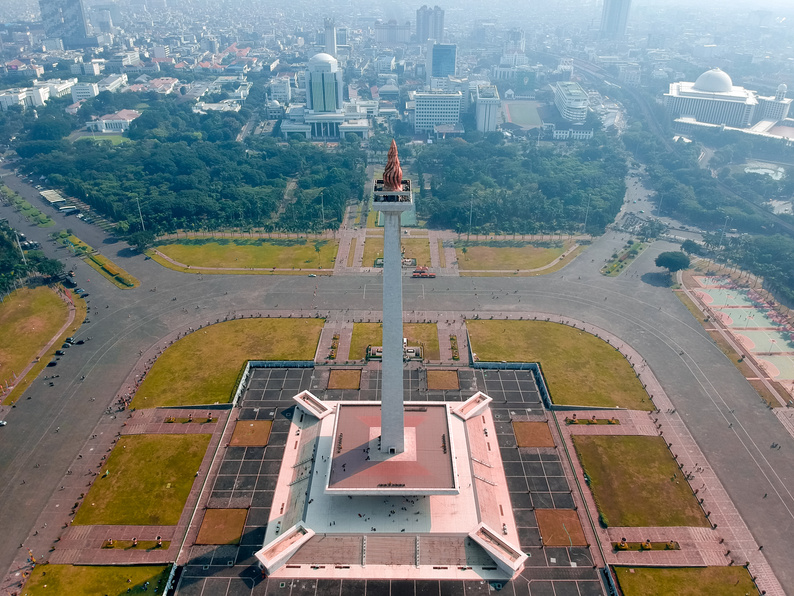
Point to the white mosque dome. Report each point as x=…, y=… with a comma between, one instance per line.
x=714, y=81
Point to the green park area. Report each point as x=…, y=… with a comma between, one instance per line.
x=523, y=113
x=91, y=580
x=30, y=212
x=685, y=581
x=413, y=248
x=100, y=263
x=110, y=139
x=29, y=318
x=636, y=482
x=203, y=367
x=507, y=255
x=249, y=253
x=145, y=481
x=580, y=369
x=416, y=334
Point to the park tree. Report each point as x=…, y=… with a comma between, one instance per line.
x=691, y=247
x=672, y=261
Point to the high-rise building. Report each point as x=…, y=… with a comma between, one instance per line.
x=323, y=84
x=429, y=24
x=330, y=37
x=487, y=107
x=436, y=108
x=65, y=19
x=441, y=60
x=392, y=32
x=614, y=19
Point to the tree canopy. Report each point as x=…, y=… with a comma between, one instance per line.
x=672, y=261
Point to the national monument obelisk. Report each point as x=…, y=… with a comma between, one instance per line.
x=392, y=197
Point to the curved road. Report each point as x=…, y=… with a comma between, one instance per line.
x=730, y=423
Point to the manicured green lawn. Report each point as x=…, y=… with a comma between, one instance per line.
x=91, y=580
x=579, y=368
x=636, y=482
x=685, y=581
x=414, y=248
x=241, y=253
x=202, y=368
x=28, y=320
x=371, y=334
x=522, y=255
x=149, y=479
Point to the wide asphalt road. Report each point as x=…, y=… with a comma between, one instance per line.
x=707, y=390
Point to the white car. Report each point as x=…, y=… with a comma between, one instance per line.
x=3, y=422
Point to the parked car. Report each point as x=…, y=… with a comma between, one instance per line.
x=65, y=346
x=60, y=353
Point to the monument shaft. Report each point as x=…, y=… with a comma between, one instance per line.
x=392, y=416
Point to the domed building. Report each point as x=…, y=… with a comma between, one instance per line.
x=714, y=99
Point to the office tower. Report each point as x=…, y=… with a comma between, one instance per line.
x=323, y=84
x=429, y=24
x=441, y=60
x=330, y=37
x=614, y=19
x=64, y=19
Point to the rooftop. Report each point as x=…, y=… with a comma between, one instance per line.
x=425, y=467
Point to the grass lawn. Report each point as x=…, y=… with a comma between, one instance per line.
x=222, y=526
x=301, y=254
x=149, y=480
x=28, y=320
x=371, y=334
x=533, y=434
x=508, y=255
x=415, y=248
x=579, y=368
x=685, y=581
x=107, y=138
x=636, y=482
x=345, y=378
x=203, y=367
x=251, y=433
x=560, y=527
x=443, y=380
x=523, y=113
x=90, y=580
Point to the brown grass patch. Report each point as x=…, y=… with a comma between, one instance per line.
x=445, y=380
x=342, y=378
x=222, y=526
x=533, y=434
x=251, y=433
x=560, y=527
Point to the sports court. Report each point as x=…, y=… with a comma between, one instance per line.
x=765, y=342
x=716, y=297
x=783, y=364
x=745, y=318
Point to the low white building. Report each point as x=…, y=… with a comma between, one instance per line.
x=57, y=87
x=30, y=97
x=118, y=122
x=571, y=101
x=112, y=83
x=82, y=91
x=281, y=90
